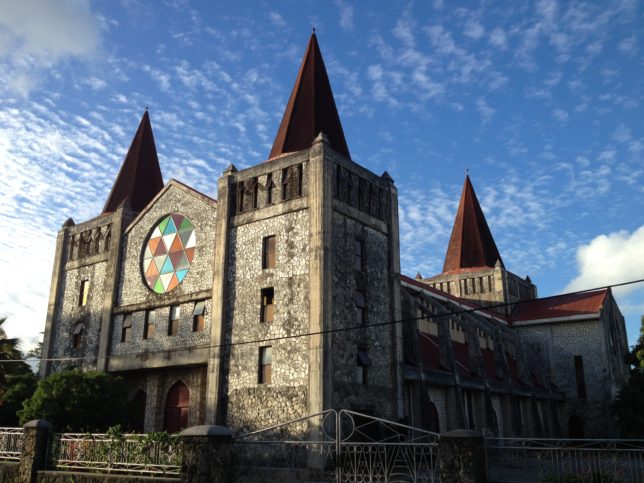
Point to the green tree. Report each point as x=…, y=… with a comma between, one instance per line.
x=19, y=388
x=630, y=400
x=75, y=401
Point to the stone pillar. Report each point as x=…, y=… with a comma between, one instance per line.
x=207, y=455
x=462, y=457
x=34, y=450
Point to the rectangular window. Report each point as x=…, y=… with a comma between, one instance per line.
x=268, y=305
x=198, y=319
x=269, y=189
x=265, y=365
x=173, y=323
x=148, y=327
x=361, y=311
x=581, y=379
x=363, y=365
x=358, y=251
x=268, y=252
x=126, y=329
x=78, y=335
x=84, y=293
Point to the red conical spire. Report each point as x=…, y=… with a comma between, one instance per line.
x=139, y=179
x=310, y=109
x=471, y=244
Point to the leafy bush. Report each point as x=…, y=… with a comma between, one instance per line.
x=75, y=401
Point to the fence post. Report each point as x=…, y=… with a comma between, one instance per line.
x=207, y=455
x=462, y=457
x=34, y=450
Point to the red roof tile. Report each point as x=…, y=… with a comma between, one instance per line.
x=471, y=243
x=139, y=178
x=560, y=306
x=310, y=109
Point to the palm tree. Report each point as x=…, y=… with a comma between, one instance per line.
x=9, y=351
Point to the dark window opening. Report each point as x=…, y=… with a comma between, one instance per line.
x=265, y=365
x=173, y=323
x=84, y=293
x=77, y=335
x=579, y=375
x=269, y=188
x=361, y=311
x=177, y=408
x=358, y=250
x=126, y=328
x=363, y=364
x=268, y=305
x=148, y=327
x=198, y=316
x=268, y=252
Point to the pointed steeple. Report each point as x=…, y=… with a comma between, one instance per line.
x=310, y=109
x=471, y=244
x=139, y=179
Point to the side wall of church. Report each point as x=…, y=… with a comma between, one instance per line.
x=373, y=282
x=254, y=405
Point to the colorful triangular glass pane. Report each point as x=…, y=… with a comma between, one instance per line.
x=173, y=282
x=186, y=225
x=158, y=286
x=167, y=266
x=163, y=224
x=192, y=241
x=181, y=274
x=182, y=263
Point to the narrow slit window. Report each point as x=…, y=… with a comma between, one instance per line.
x=173, y=323
x=268, y=305
x=265, y=365
x=198, y=316
x=268, y=252
x=84, y=293
x=361, y=311
x=358, y=250
x=148, y=327
x=362, y=367
x=78, y=335
x=126, y=328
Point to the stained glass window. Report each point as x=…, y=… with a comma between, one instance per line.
x=168, y=253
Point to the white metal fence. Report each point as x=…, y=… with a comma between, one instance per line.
x=11, y=443
x=565, y=460
x=144, y=454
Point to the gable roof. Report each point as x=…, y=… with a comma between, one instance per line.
x=471, y=243
x=310, y=109
x=139, y=179
x=560, y=306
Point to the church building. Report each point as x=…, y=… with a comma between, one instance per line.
x=267, y=304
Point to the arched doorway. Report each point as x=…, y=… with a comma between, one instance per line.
x=177, y=407
x=575, y=427
x=136, y=412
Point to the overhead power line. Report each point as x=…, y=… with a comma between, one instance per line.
x=486, y=310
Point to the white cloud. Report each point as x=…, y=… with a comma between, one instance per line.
x=346, y=14
x=609, y=259
x=37, y=34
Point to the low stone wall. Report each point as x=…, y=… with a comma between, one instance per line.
x=70, y=477
x=8, y=472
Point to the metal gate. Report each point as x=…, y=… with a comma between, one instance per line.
x=340, y=446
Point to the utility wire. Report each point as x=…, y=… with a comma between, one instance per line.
x=485, y=310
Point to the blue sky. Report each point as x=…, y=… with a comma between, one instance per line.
x=541, y=101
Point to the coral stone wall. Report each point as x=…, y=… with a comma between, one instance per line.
x=202, y=213
x=252, y=405
x=379, y=392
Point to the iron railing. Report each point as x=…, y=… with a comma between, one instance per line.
x=554, y=460
x=11, y=440
x=144, y=454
